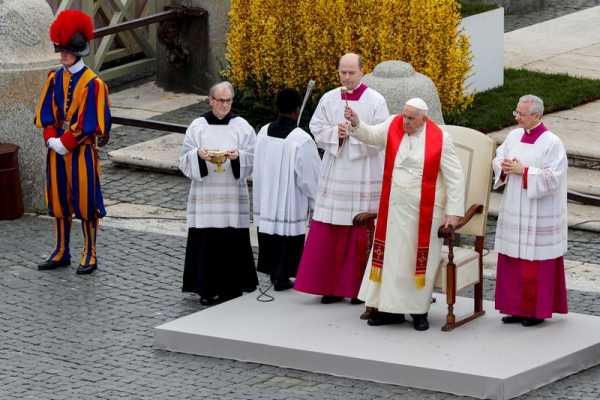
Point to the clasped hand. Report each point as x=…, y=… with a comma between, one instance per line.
x=512, y=167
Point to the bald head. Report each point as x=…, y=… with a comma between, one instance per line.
x=350, y=70
x=350, y=60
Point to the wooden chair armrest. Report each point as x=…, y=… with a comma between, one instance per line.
x=448, y=233
x=364, y=219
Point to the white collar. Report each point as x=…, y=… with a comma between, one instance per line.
x=78, y=66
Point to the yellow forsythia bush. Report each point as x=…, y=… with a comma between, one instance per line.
x=275, y=43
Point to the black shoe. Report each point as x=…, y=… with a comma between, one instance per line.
x=282, y=284
x=49, y=264
x=531, y=321
x=368, y=313
x=86, y=269
x=356, y=300
x=511, y=319
x=331, y=299
x=207, y=301
x=420, y=322
x=384, y=318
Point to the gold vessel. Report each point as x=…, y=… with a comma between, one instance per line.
x=218, y=157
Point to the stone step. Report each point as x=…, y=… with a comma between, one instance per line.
x=161, y=154
x=578, y=218
x=584, y=180
x=579, y=130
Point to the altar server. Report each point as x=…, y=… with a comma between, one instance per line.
x=285, y=179
x=219, y=264
x=531, y=235
x=336, y=253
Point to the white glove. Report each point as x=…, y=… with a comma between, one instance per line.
x=56, y=145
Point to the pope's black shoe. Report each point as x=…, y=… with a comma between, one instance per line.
x=86, y=269
x=420, y=322
x=49, y=264
x=384, y=318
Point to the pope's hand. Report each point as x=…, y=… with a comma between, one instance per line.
x=450, y=220
x=351, y=116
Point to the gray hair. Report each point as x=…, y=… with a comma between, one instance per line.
x=537, y=104
x=217, y=86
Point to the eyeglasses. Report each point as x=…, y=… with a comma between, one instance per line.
x=520, y=114
x=222, y=101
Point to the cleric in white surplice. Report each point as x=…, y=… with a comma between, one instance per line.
x=334, y=258
x=423, y=188
x=219, y=264
x=531, y=236
x=285, y=179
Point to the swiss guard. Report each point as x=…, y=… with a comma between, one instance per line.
x=73, y=111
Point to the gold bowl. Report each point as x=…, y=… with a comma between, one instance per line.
x=218, y=157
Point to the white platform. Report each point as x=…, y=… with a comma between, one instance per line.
x=483, y=359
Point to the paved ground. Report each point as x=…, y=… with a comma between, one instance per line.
x=133, y=186
x=567, y=45
x=552, y=9
x=65, y=336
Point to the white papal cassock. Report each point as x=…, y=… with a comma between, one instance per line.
x=397, y=292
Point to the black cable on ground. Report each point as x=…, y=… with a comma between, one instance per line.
x=264, y=296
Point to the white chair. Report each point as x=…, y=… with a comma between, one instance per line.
x=462, y=267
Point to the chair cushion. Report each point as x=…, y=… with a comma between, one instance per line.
x=467, y=268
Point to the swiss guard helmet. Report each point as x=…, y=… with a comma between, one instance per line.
x=71, y=31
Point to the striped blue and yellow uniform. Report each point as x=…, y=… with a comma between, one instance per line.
x=74, y=108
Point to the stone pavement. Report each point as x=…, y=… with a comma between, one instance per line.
x=64, y=336
x=551, y=9
x=569, y=44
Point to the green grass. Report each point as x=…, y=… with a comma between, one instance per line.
x=492, y=109
x=468, y=8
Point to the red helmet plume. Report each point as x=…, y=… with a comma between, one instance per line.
x=67, y=24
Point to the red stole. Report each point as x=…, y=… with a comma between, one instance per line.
x=432, y=159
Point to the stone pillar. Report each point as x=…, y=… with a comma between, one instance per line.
x=205, y=38
x=398, y=81
x=26, y=56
